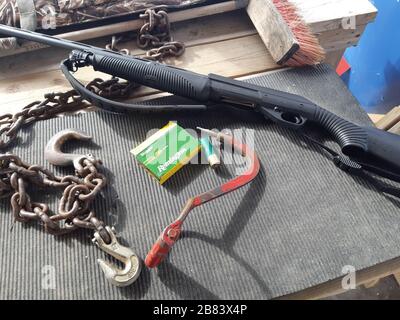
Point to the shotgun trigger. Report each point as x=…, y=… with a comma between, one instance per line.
x=289, y=119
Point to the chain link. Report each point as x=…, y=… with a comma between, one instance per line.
x=154, y=36
x=74, y=207
x=57, y=103
x=115, y=41
x=80, y=190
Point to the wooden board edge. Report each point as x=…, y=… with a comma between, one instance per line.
x=132, y=25
x=334, y=287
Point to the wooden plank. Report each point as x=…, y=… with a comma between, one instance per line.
x=391, y=119
x=372, y=283
x=202, y=30
x=330, y=15
x=375, y=117
x=177, y=16
x=397, y=278
x=334, y=57
x=334, y=287
x=323, y=15
x=344, y=37
x=340, y=34
x=132, y=25
x=340, y=39
x=395, y=129
x=341, y=45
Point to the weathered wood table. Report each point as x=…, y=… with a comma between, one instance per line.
x=225, y=44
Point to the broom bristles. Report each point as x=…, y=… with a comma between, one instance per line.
x=310, y=52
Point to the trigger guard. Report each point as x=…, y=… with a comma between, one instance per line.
x=285, y=118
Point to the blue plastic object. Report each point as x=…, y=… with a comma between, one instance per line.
x=374, y=78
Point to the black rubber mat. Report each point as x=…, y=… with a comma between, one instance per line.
x=297, y=225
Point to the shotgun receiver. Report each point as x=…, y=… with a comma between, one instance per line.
x=375, y=150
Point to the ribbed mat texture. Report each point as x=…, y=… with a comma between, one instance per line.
x=297, y=225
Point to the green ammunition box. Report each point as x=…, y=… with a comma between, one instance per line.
x=166, y=151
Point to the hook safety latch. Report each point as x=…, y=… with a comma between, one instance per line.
x=118, y=277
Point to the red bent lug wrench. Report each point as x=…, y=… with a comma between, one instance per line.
x=171, y=233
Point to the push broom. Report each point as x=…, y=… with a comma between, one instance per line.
x=285, y=33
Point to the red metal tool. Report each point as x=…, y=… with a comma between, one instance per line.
x=172, y=232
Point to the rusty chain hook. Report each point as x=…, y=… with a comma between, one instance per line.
x=104, y=236
x=55, y=156
x=79, y=190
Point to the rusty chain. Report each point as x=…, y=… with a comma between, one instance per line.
x=57, y=103
x=79, y=190
x=74, y=208
x=53, y=104
x=115, y=41
x=154, y=36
